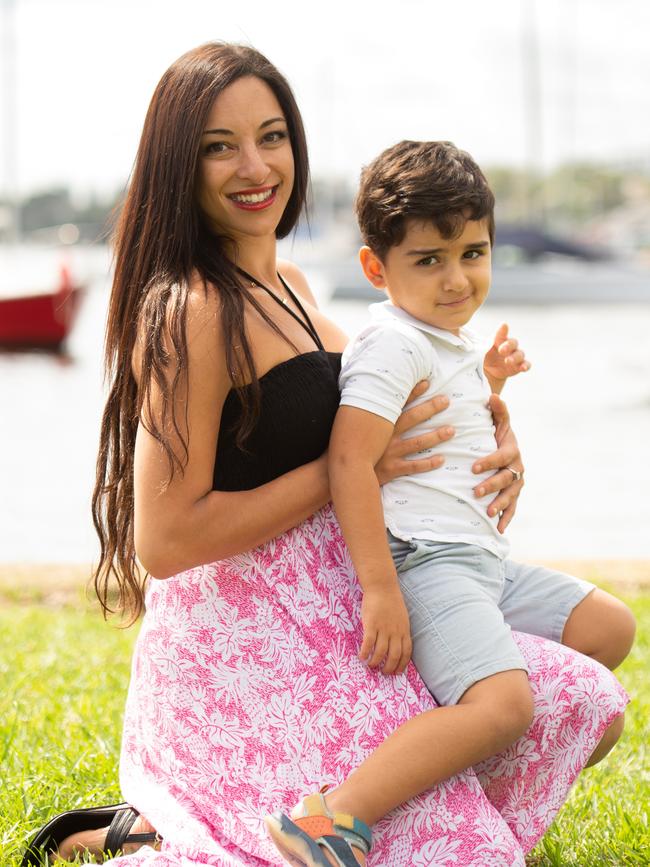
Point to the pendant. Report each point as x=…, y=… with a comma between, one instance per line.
x=284, y=301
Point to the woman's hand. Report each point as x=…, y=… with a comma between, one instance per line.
x=503, y=481
x=393, y=462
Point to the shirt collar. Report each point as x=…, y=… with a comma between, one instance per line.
x=386, y=310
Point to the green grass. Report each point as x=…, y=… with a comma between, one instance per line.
x=607, y=816
x=63, y=678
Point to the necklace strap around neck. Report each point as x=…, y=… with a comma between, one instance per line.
x=306, y=323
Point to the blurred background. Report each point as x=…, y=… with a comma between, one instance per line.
x=551, y=98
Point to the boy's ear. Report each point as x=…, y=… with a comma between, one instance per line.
x=373, y=268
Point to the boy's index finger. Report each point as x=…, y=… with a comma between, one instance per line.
x=508, y=346
x=502, y=334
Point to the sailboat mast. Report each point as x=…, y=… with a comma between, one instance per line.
x=9, y=119
x=532, y=113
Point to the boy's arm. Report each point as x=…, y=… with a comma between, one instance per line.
x=358, y=440
x=503, y=359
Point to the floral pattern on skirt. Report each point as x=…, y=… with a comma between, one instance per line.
x=247, y=693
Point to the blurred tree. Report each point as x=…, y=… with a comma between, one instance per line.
x=567, y=197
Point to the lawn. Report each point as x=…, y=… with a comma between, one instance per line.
x=63, y=676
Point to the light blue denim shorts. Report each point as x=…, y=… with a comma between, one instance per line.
x=463, y=602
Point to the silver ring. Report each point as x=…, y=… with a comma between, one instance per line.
x=516, y=475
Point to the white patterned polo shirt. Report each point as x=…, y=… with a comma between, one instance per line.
x=380, y=367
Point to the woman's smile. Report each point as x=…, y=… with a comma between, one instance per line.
x=255, y=199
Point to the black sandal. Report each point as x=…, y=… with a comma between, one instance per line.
x=119, y=818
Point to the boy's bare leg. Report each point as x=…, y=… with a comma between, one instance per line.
x=602, y=627
x=435, y=745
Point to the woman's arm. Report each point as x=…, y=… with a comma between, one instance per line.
x=503, y=482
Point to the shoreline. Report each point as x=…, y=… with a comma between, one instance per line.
x=59, y=584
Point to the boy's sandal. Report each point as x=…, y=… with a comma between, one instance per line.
x=311, y=828
x=119, y=818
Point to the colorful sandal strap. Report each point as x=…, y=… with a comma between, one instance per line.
x=349, y=827
x=356, y=832
x=340, y=849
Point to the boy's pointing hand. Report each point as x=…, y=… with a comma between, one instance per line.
x=504, y=358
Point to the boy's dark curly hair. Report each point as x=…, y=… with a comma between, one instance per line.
x=428, y=181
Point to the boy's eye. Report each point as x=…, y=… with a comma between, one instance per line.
x=428, y=260
x=473, y=254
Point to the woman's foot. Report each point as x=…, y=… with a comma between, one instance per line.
x=94, y=842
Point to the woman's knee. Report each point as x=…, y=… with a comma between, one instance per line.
x=602, y=627
x=607, y=741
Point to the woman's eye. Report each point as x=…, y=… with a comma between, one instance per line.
x=216, y=147
x=275, y=136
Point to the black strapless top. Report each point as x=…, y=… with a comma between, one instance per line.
x=299, y=399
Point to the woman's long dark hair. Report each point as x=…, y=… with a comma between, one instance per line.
x=161, y=242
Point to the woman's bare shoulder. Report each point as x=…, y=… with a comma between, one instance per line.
x=296, y=280
x=203, y=314
x=203, y=332
x=332, y=336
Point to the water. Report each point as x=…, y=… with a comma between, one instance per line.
x=582, y=415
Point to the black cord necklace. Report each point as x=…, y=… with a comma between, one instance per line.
x=306, y=323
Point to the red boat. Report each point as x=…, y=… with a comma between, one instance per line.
x=40, y=321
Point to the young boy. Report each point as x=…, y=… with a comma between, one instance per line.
x=439, y=578
x=425, y=212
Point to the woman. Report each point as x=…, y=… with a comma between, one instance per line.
x=246, y=691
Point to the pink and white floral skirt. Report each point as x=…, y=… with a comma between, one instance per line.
x=246, y=694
